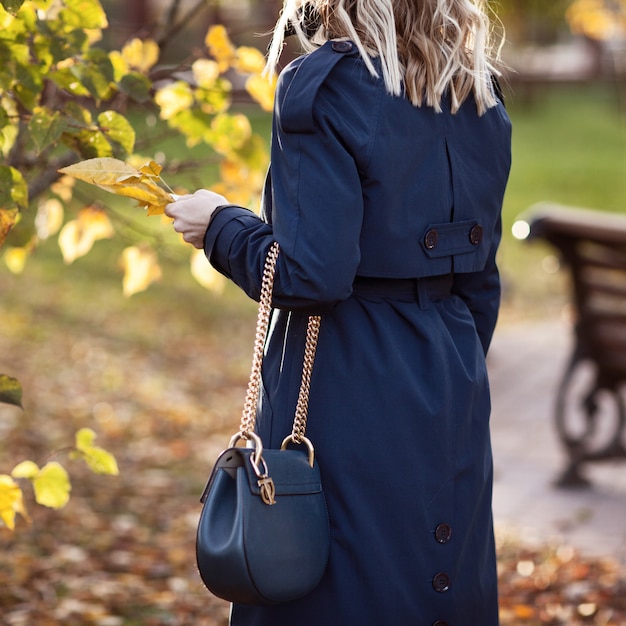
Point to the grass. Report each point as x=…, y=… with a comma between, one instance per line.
x=569, y=147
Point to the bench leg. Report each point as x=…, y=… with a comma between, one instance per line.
x=590, y=419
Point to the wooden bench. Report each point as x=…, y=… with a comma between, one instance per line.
x=590, y=413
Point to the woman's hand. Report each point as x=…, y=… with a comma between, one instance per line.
x=191, y=214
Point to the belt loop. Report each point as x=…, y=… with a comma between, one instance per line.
x=423, y=295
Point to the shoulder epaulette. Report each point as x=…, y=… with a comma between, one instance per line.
x=296, y=108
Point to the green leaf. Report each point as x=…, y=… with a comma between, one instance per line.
x=96, y=73
x=12, y=6
x=52, y=486
x=90, y=144
x=66, y=80
x=10, y=390
x=59, y=44
x=46, y=127
x=80, y=114
x=136, y=86
x=13, y=189
x=117, y=128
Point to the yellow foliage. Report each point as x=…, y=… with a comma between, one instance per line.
x=174, y=98
x=230, y=132
x=120, y=66
x=8, y=219
x=597, y=19
x=141, y=269
x=122, y=179
x=262, y=89
x=103, y=171
x=141, y=55
x=204, y=273
x=205, y=72
x=249, y=60
x=25, y=469
x=49, y=218
x=99, y=460
x=220, y=47
x=78, y=236
x=63, y=188
x=11, y=501
x=15, y=259
x=52, y=486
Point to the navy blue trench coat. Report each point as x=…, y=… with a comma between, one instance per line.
x=365, y=189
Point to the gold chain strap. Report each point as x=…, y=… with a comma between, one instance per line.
x=248, y=416
x=302, y=408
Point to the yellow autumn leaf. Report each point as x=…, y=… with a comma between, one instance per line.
x=11, y=501
x=205, y=274
x=230, y=132
x=220, y=47
x=147, y=193
x=49, y=218
x=205, y=72
x=240, y=196
x=121, y=179
x=141, y=269
x=25, y=469
x=151, y=169
x=98, y=459
x=239, y=175
x=52, y=486
x=262, y=89
x=64, y=188
x=15, y=259
x=8, y=219
x=101, y=171
x=141, y=55
x=249, y=60
x=173, y=99
x=233, y=173
x=120, y=65
x=78, y=236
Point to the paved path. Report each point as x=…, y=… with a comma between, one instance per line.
x=526, y=363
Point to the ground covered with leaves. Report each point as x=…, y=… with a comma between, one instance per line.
x=161, y=379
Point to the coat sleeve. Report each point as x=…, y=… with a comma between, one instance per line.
x=313, y=202
x=481, y=292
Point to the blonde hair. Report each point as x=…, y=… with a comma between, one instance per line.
x=427, y=48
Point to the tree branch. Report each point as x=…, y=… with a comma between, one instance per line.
x=50, y=175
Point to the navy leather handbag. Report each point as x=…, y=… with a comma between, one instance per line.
x=263, y=535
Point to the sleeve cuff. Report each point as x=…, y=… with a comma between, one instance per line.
x=228, y=219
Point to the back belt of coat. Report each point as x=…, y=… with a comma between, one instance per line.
x=421, y=290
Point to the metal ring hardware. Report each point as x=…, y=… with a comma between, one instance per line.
x=291, y=439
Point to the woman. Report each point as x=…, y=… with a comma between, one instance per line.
x=390, y=156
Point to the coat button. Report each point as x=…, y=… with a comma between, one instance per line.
x=476, y=234
x=342, y=46
x=443, y=533
x=431, y=238
x=441, y=582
